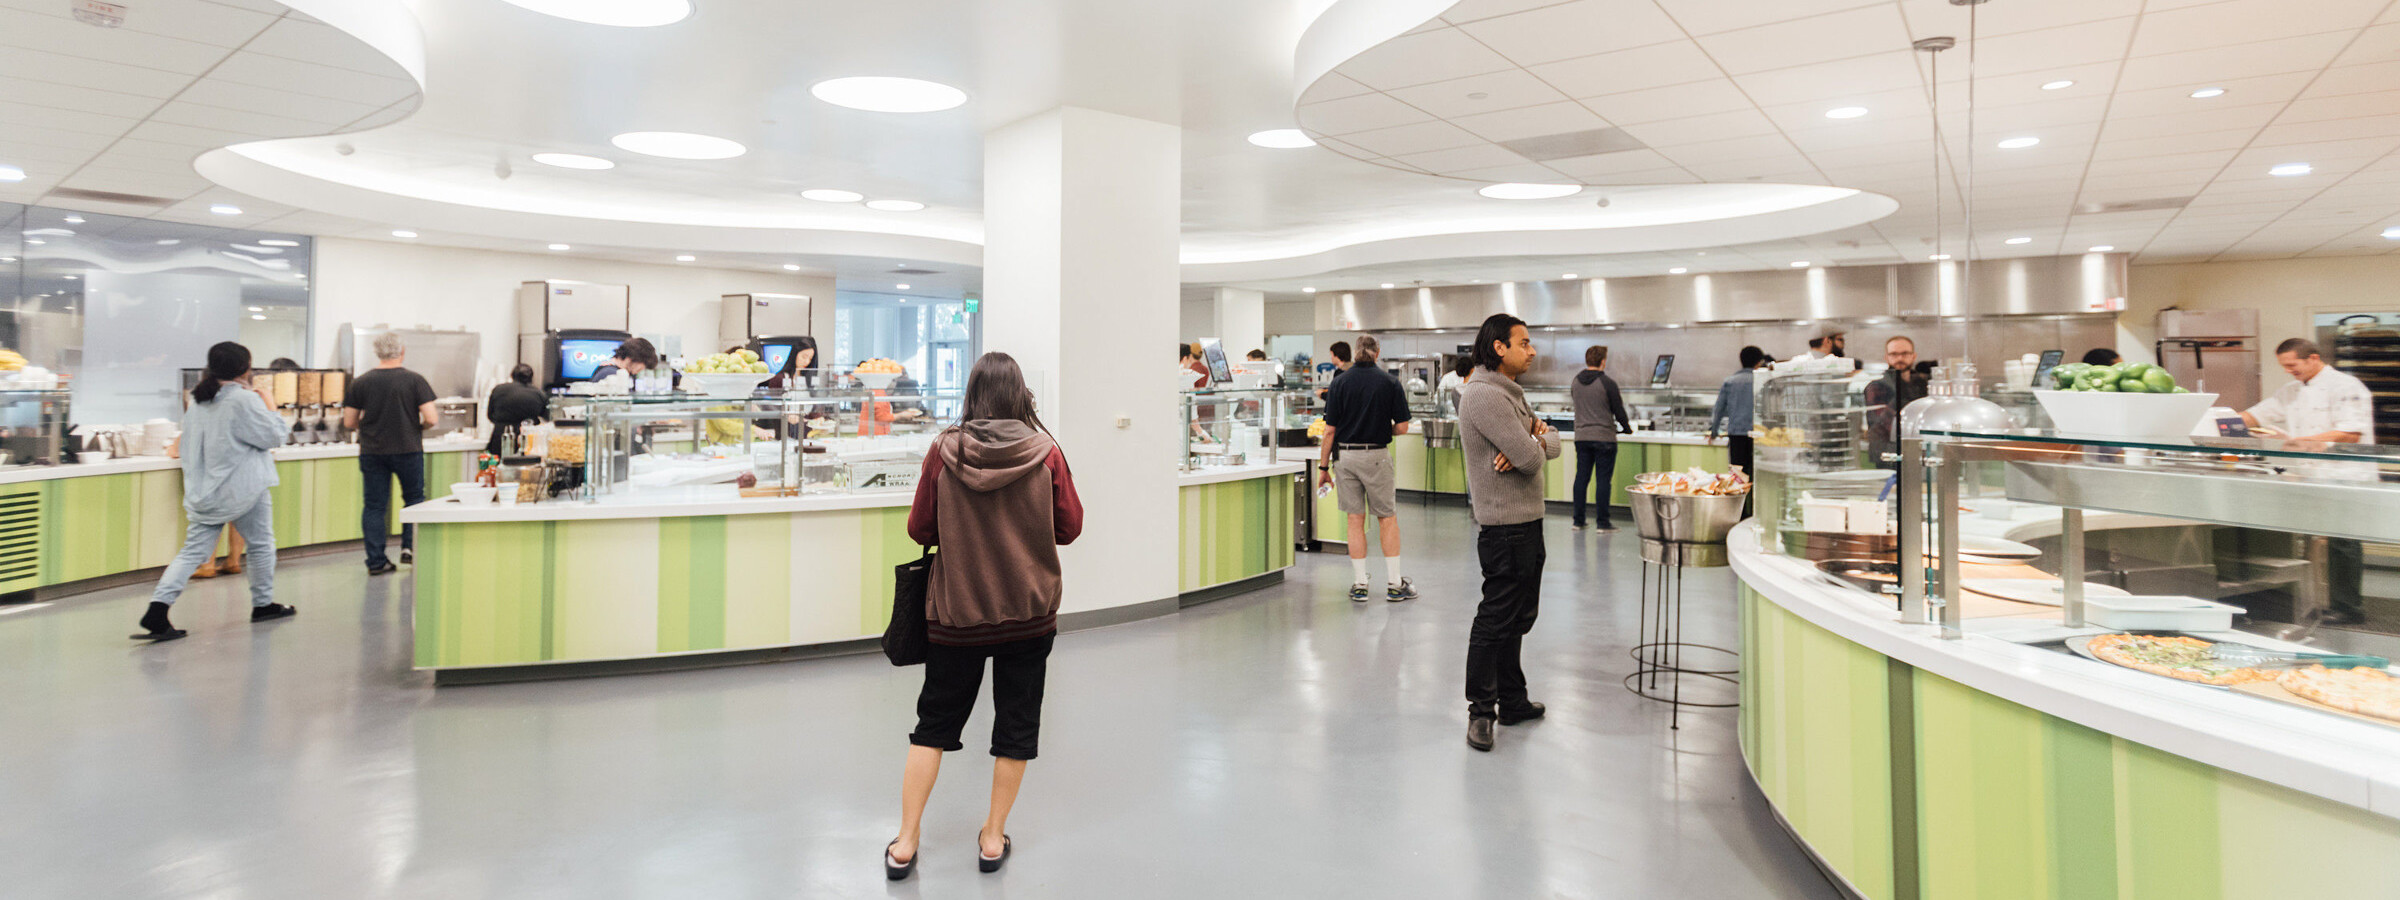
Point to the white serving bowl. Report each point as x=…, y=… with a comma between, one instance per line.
x=2114, y=414
x=470, y=493
x=722, y=384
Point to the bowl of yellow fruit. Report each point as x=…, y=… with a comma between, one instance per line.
x=878, y=374
x=733, y=374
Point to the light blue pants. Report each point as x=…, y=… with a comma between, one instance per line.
x=200, y=542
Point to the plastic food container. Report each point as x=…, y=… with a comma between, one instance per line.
x=2125, y=415
x=2158, y=613
x=470, y=493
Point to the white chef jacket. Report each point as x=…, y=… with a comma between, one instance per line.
x=2332, y=401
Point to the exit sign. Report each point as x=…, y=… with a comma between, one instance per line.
x=974, y=304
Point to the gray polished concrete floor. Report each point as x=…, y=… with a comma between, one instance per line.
x=1284, y=743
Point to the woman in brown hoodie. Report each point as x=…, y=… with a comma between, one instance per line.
x=996, y=497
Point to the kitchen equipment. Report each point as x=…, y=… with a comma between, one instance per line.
x=2112, y=414
x=2212, y=350
x=449, y=360
x=758, y=320
x=452, y=415
x=1440, y=434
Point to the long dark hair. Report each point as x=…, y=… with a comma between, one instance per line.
x=227, y=361
x=996, y=390
x=791, y=364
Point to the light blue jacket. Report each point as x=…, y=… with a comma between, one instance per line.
x=1734, y=404
x=226, y=467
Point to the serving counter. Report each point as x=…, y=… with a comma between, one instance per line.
x=1442, y=470
x=69, y=528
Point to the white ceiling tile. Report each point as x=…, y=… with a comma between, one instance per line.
x=1823, y=38
x=37, y=157
x=1678, y=62
x=2334, y=130
x=187, y=135
x=2208, y=160
x=265, y=6
x=1931, y=17
x=2357, y=152
x=34, y=31
x=1570, y=30
x=1333, y=86
x=1827, y=81
x=2046, y=50
x=1535, y=121
x=1534, y=173
x=2275, y=89
x=2245, y=21
x=1675, y=102
x=1646, y=176
x=2381, y=103
x=1430, y=56
x=1417, y=138
x=104, y=74
x=310, y=78
x=321, y=44
x=1512, y=89
x=2378, y=44
x=2138, y=148
x=2358, y=79
x=2226, y=118
x=153, y=152
x=1881, y=106
x=2200, y=67
x=1712, y=16
x=253, y=125
x=1753, y=147
x=20, y=114
x=1459, y=159
x=1830, y=137
x=1472, y=10
x=1364, y=112
x=1613, y=163
x=1778, y=169
x=151, y=182
x=207, y=24
x=250, y=98
x=71, y=98
x=1702, y=129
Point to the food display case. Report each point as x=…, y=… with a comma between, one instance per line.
x=33, y=426
x=1232, y=427
x=766, y=444
x=1670, y=409
x=1818, y=493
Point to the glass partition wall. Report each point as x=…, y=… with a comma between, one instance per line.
x=120, y=305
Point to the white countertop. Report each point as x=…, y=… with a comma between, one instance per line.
x=2331, y=756
x=1216, y=474
x=22, y=474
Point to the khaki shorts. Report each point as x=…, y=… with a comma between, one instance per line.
x=1362, y=479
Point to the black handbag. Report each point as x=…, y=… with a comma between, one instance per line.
x=904, y=638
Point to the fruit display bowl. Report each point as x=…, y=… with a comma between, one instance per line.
x=881, y=381
x=722, y=384
x=2115, y=414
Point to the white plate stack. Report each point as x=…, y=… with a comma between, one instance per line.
x=156, y=435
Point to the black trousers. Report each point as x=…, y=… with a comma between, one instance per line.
x=1512, y=557
x=376, y=471
x=954, y=675
x=1738, y=451
x=1594, y=457
x=2345, y=573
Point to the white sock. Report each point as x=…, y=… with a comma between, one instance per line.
x=1391, y=569
x=1358, y=570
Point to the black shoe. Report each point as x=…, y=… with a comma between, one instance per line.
x=1479, y=734
x=1531, y=712
x=987, y=864
x=408, y=556
x=2343, y=617
x=386, y=569
x=155, y=627
x=271, y=612
x=898, y=871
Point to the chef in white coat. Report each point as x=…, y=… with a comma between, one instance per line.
x=2323, y=403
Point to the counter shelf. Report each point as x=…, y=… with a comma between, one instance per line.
x=1812, y=472
x=1233, y=426
x=792, y=443
x=33, y=426
x=1668, y=408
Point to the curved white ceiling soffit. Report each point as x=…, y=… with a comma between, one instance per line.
x=386, y=26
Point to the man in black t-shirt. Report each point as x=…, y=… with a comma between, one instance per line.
x=389, y=409
x=1364, y=408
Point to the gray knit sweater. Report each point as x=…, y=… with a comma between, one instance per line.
x=1494, y=419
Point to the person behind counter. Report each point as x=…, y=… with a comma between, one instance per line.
x=1187, y=356
x=513, y=406
x=1599, y=417
x=1340, y=351
x=1255, y=356
x=1899, y=386
x=2101, y=356
x=633, y=357
x=1364, y=410
x=1735, y=403
x=1505, y=446
x=996, y=496
x=2322, y=403
x=228, y=474
x=389, y=409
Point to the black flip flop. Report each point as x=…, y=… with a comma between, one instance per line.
x=159, y=637
x=901, y=871
x=993, y=865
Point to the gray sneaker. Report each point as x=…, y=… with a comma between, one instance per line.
x=1405, y=590
x=1358, y=592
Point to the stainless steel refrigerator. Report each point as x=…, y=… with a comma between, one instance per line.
x=2212, y=351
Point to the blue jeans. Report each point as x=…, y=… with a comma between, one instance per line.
x=1591, y=457
x=200, y=543
x=376, y=471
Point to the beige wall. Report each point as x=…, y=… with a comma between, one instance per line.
x=2287, y=293
x=408, y=285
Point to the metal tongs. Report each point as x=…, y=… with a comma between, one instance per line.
x=2262, y=658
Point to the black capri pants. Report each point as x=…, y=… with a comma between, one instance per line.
x=953, y=676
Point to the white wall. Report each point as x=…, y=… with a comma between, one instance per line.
x=2288, y=293
x=408, y=285
x=1291, y=317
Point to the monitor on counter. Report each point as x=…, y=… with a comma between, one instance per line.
x=1212, y=352
x=2041, y=370
x=577, y=357
x=1664, y=368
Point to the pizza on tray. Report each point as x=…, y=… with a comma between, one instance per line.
x=2367, y=692
x=2181, y=658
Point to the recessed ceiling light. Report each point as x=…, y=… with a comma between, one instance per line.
x=899, y=287
x=1845, y=112
x=2288, y=170
x=1799, y=263
x=258, y=309
x=2018, y=240
x=895, y=205
x=686, y=258
x=2207, y=92
x=74, y=277
x=573, y=161
x=2060, y=84
x=1387, y=285
x=2019, y=143
x=1568, y=275
x=2101, y=248
x=1517, y=191
x=620, y=13
x=2392, y=233
x=1282, y=139
x=225, y=209
x=36, y=242
x=1938, y=257
x=1308, y=290
x=1678, y=270
x=830, y=195
x=259, y=318
x=788, y=267
x=678, y=145
x=11, y=173
x=169, y=242
x=275, y=242
x=877, y=93
x=403, y=233
x=74, y=220
x=560, y=247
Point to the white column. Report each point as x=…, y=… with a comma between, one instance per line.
x=1241, y=321
x=1082, y=217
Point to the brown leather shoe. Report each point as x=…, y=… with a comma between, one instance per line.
x=231, y=566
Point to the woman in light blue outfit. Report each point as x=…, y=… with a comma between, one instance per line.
x=226, y=476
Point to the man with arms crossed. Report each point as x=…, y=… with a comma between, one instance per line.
x=389, y=409
x=1364, y=408
x=2323, y=403
x=1506, y=447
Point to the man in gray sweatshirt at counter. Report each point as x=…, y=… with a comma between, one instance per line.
x=1506, y=447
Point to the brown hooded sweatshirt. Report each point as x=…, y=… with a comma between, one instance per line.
x=996, y=496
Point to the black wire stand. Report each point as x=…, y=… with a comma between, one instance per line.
x=1659, y=664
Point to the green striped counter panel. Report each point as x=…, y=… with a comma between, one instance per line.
x=1914, y=786
x=1232, y=530
x=92, y=526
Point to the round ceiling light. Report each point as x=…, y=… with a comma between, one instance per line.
x=2207, y=92
x=573, y=161
x=1845, y=112
x=678, y=145
x=2018, y=240
x=1282, y=139
x=11, y=173
x=830, y=195
x=620, y=13
x=2058, y=85
x=2019, y=143
x=2392, y=233
x=895, y=205
x=1517, y=191
x=2288, y=170
x=879, y=93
